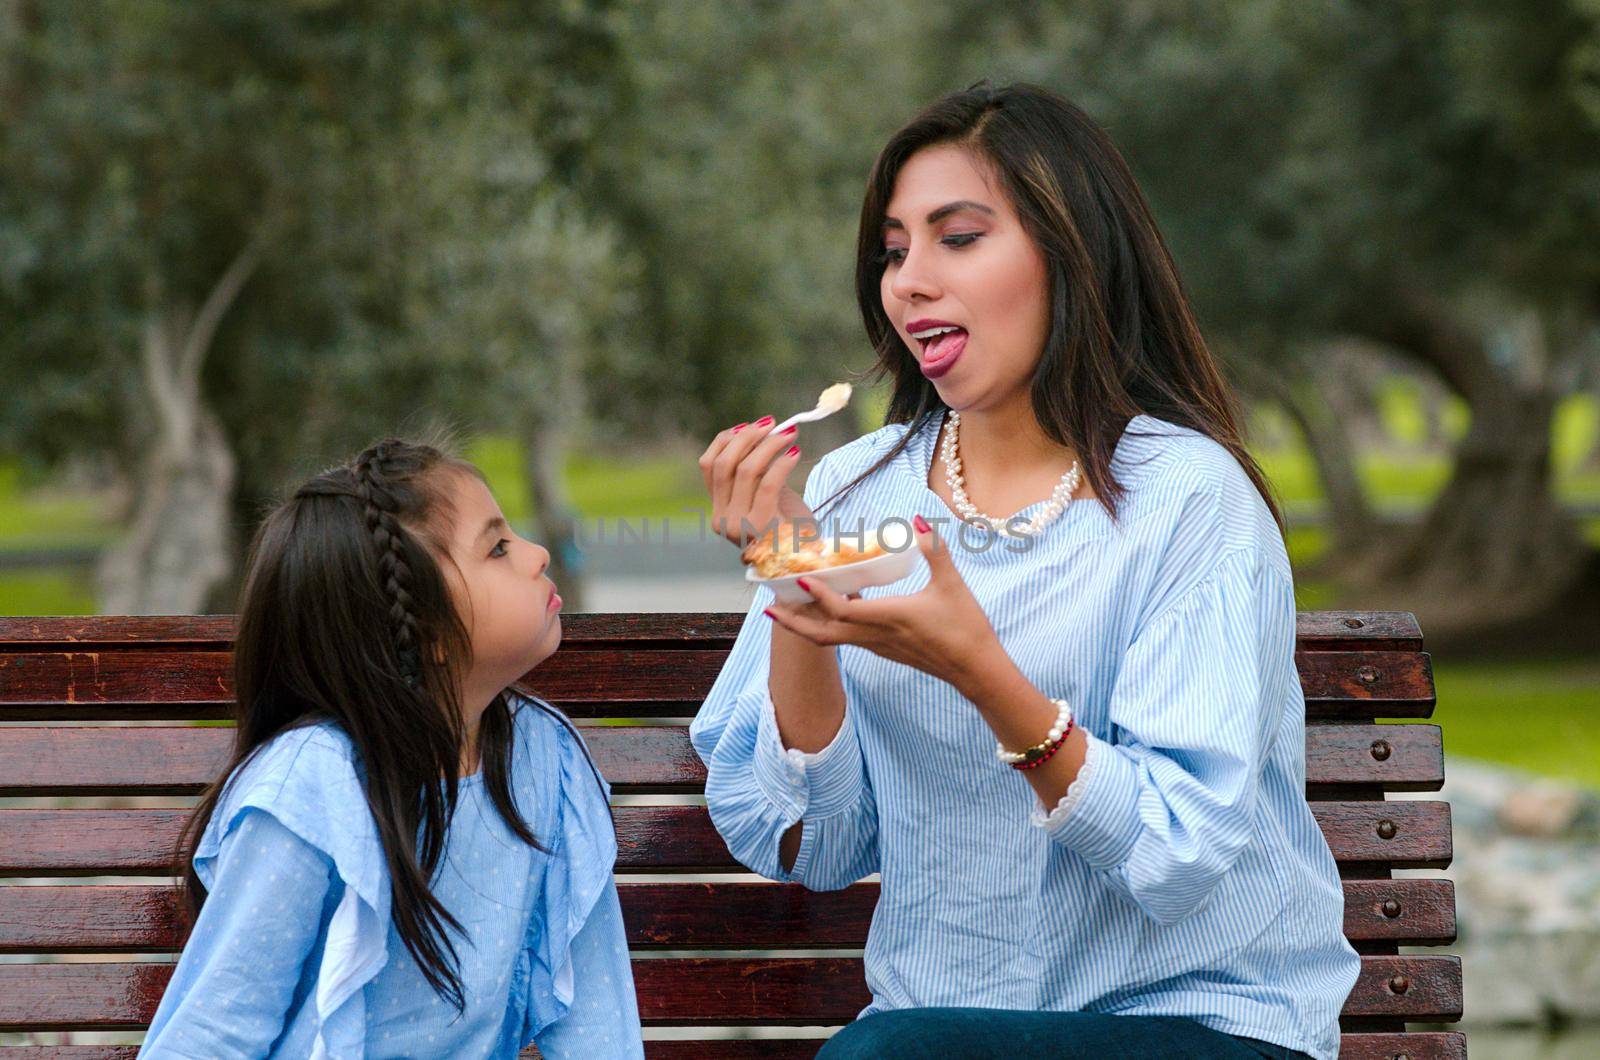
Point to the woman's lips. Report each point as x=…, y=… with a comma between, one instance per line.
x=941, y=354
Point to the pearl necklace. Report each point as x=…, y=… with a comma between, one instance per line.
x=1060, y=497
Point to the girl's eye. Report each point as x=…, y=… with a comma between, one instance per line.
x=891, y=254
x=499, y=549
x=960, y=239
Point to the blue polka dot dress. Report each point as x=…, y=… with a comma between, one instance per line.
x=295, y=954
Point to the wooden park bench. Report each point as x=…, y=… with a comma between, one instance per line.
x=97, y=878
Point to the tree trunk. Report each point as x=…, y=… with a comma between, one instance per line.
x=555, y=521
x=1299, y=392
x=1495, y=546
x=178, y=546
x=1350, y=518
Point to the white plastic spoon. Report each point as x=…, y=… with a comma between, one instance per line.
x=830, y=401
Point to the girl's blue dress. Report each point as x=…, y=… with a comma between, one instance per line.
x=294, y=953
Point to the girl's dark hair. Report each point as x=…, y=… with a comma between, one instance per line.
x=1122, y=338
x=345, y=616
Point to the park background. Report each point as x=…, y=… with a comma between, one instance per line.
x=239, y=240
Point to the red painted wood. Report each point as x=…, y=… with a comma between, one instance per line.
x=649, y=838
x=86, y=760
x=1366, y=683
x=1422, y=1045
x=1356, y=832
x=608, y=675
x=1408, y=987
x=144, y=918
x=1408, y=911
x=602, y=682
x=687, y=991
x=1353, y=665
x=1316, y=630
x=1391, y=757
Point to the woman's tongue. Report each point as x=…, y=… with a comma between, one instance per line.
x=946, y=345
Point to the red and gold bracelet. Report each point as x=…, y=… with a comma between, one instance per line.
x=1042, y=759
x=1052, y=742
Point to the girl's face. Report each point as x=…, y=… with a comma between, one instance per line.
x=963, y=283
x=511, y=610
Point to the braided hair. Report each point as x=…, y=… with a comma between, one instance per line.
x=346, y=616
x=379, y=508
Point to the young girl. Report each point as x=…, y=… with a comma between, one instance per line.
x=405, y=857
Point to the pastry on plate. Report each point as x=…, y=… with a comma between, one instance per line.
x=787, y=551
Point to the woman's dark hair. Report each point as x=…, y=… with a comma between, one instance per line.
x=345, y=616
x=1122, y=338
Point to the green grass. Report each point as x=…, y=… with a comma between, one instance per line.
x=38, y=519
x=46, y=591
x=1540, y=715
x=652, y=487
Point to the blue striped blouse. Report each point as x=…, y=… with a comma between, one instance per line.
x=1188, y=877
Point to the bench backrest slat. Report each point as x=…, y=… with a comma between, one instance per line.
x=85, y=685
x=144, y=918
x=637, y=759
x=141, y=842
x=795, y=991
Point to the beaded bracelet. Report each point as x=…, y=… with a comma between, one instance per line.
x=1042, y=759
x=1057, y=735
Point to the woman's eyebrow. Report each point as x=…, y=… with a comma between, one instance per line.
x=495, y=523
x=944, y=211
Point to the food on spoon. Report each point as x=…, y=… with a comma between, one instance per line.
x=835, y=397
x=785, y=551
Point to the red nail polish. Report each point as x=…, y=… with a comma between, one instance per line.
x=739, y=428
x=765, y=421
x=790, y=429
x=803, y=585
x=794, y=450
x=768, y=612
x=921, y=524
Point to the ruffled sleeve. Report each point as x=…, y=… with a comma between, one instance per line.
x=244, y=963
x=306, y=779
x=583, y=854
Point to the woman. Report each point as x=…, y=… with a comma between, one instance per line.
x=1073, y=745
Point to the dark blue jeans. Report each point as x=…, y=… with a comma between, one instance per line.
x=978, y=1033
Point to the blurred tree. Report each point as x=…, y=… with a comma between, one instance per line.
x=1419, y=176
x=736, y=172
x=225, y=233
x=232, y=234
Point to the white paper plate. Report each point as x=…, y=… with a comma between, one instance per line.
x=849, y=578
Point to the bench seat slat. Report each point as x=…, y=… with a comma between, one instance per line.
x=180, y=760
x=143, y=918
x=676, y=991
x=48, y=842
x=1420, y=1045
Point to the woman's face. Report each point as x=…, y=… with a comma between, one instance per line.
x=957, y=258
